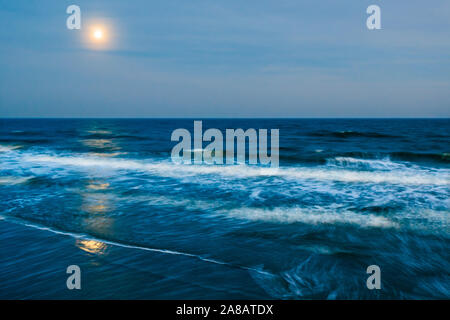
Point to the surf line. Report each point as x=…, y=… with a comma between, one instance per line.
x=129, y=246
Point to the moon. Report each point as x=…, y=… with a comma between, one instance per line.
x=98, y=34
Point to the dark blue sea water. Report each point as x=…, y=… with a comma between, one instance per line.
x=104, y=195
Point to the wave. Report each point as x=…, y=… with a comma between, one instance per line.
x=13, y=180
x=314, y=216
x=411, y=176
x=436, y=222
x=365, y=164
x=320, y=156
x=7, y=148
x=129, y=246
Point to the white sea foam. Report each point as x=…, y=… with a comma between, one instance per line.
x=12, y=180
x=7, y=148
x=168, y=169
x=367, y=164
x=314, y=216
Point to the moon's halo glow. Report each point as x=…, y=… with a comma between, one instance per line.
x=99, y=34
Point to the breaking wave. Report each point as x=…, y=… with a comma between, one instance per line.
x=408, y=176
x=312, y=216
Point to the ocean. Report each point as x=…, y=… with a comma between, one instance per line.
x=104, y=194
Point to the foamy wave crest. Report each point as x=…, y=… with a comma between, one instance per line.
x=168, y=169
x=7, y=148
x=365, y=164
x=315, y=216
x=11, y=180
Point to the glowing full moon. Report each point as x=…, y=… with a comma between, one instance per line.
x=98, y=34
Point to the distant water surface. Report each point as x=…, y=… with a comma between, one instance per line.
x=104, y=195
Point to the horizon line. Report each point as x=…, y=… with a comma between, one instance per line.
x=228, y=118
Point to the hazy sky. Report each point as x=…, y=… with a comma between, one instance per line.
x=233, y=58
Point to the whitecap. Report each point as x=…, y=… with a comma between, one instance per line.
x=7, y=148
x=13, y=180
x=313, y=216
x=168, y=169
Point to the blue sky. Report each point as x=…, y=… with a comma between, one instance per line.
x=226, y=59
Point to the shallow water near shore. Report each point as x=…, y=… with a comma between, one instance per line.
x=104, y=194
